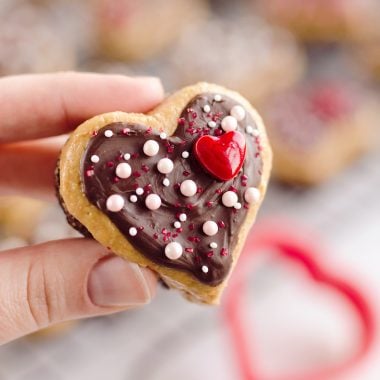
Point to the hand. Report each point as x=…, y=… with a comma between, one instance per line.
x=66, y=279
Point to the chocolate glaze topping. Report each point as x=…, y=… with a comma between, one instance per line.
x=155, y=229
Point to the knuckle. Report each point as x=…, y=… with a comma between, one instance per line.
x=38, y=294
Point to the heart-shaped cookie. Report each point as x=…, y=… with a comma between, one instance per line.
x=146, y=187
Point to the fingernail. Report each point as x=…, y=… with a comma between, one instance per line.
x=117, y=282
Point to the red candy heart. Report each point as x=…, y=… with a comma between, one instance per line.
x=221, y=156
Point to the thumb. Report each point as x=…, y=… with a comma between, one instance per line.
x=66, y=279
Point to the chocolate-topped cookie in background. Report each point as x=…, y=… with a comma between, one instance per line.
x=136, y=30
x=175, y=190
x=318, y=128
x=323, y=20
x=241, y=51
x=32, y=40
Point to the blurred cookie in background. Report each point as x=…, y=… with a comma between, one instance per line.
x=368, y=55
x=19, y=217
x=139, y=29
x=319, y=127
x=53, y=331
x=245, y=54
x=30, y=41
x=323, y=20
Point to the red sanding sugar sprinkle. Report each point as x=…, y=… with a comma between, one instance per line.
x=147, y=188
x=145, y=168
x=89, y=173
x=115, y=180
x=189, y=250
x=221, y=224
x=136, y=174
x=155, y=236
x=110, y=164
x=223, y=252
x=181, y=121
x=209, y=204
x=210, y=254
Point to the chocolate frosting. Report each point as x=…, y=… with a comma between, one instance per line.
x=155, y=229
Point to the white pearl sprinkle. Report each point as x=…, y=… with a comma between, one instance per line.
x=229, y=198
x=133, y=198
x=133, y=231
x=237, y=206
x=94, y=158
x=153, y=202
x=213, y=245
x=165, y=165
x=252, y=195
x=151, y=148
x=188, y=188
x=123, y=170
x=173, y=250
x=115, y=203
x=166, y=182
x=127, y=156
x=238, y=112
x=185, y=154
x=210, y=228
x=229, y=123
x=204, y=268
x=108, y=133
x=206, y=108
x=182, y=217
x=255, y=133
x=139, y=191
x=163, y=135
x=249, y=129
x=177, y=224
x=218, y=98
x=211, y=124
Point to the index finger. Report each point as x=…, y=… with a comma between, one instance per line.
x=36, y=106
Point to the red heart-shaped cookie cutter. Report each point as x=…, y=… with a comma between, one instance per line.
x=279, y=237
